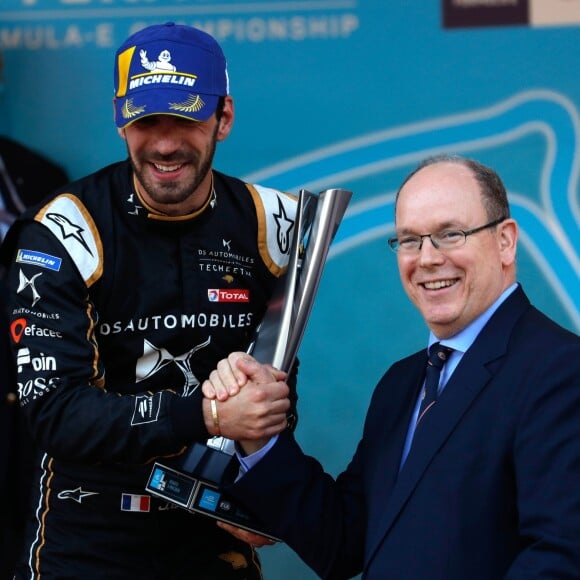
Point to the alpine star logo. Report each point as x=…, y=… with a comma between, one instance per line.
x=285, y=225
x=154, y=359
x=69, y=229
x=76, y=494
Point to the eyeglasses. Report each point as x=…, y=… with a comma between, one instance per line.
x=443, y=240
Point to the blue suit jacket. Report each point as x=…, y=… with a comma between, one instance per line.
x=491, y=486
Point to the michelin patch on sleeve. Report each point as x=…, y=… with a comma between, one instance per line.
x=276, y=219
x=39, y=259
x=71, y=223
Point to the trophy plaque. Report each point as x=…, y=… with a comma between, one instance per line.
x=195, y=486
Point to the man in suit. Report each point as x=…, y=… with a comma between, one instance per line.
x=485, y=483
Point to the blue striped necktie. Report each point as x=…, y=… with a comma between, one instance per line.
x=438, y=355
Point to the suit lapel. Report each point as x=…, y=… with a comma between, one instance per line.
x=468, y=380
x=390, y=413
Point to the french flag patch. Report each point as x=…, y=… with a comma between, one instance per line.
x=135, y=503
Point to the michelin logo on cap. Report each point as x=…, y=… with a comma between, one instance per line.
x=169, y=69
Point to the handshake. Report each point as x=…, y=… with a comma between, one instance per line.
x=245, y=401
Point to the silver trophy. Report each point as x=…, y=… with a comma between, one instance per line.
x=196, y=485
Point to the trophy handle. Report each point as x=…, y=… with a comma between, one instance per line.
x=278, y=337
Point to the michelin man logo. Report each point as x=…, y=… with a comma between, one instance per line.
x=162, y=64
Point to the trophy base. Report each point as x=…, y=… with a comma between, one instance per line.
x=196, y=488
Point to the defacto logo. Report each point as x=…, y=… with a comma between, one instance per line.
x=217, y=295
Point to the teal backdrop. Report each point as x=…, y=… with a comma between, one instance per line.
x=341, y=93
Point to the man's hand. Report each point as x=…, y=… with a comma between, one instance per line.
x=250, y=401
x=233, y=372
x=255, y=540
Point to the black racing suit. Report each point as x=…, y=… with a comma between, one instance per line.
x=117, y=315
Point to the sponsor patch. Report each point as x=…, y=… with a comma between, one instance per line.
x=39, y=363
x=209, y=500
x=230, y=295
x=77, y=494
x=146, y=409
x=36, y=387
x=39, y=259
x=135, y=503
x=68, y=219
x=24, y=283
x=20, y=326
x=45, y=315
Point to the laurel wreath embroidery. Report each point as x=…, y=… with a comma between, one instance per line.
x=192, y=104
x=129, y=111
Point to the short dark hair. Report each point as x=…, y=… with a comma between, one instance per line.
x=220, y=108
x=493, y=192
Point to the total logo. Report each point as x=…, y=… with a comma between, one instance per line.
x=217, y=295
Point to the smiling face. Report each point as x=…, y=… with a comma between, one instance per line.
x=452, y=288
x=172, y=158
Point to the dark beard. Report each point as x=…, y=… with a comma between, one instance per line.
x=172, y=192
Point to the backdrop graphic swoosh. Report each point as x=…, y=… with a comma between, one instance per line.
x=550, y=228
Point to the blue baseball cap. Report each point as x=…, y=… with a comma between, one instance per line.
x=169, y=69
